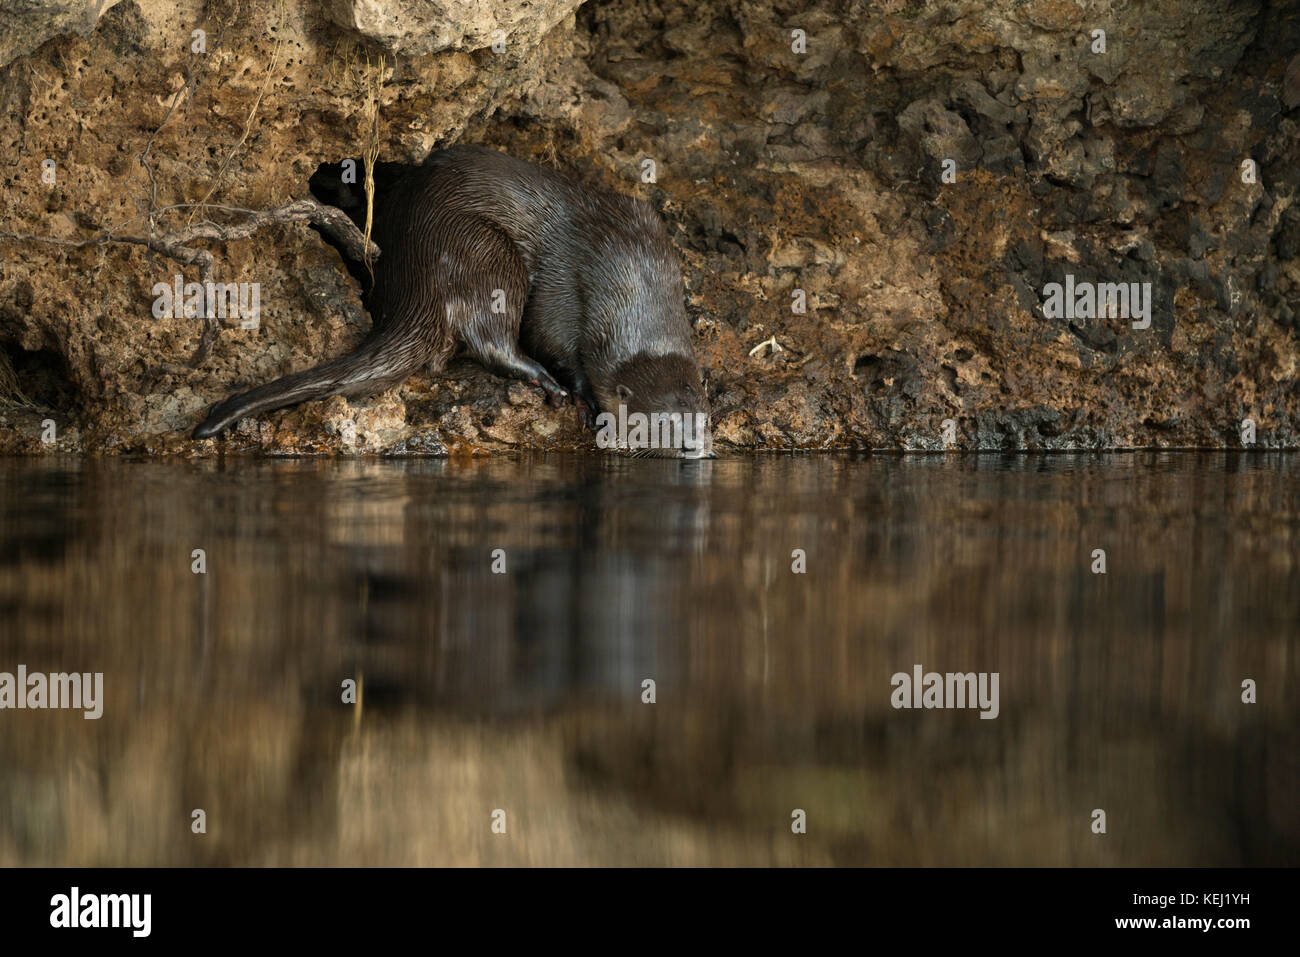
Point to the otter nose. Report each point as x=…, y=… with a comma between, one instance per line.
x=705, y=451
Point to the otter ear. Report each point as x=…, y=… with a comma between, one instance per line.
x=623, y=391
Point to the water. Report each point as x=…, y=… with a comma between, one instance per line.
x=522, y=692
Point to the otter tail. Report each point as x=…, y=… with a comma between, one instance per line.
x=379, y=363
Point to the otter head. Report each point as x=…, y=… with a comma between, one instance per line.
x=655, y=405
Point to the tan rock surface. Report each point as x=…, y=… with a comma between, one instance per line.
x=777, y=171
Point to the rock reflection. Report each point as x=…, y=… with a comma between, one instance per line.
x=523, y=690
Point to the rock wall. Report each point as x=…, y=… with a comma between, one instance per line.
x=884, y=193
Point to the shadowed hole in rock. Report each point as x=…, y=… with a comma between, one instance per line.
x=327, y=186
x=890, y=372
x=36, y=379
x=731, y=245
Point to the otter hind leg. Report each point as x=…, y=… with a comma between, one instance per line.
x=519, y=366
x=487, y=307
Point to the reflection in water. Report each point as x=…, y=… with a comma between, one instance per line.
x=523, y=691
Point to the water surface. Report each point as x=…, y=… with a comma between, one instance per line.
x=523, y=691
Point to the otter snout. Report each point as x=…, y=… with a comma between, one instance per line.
x=704, y=452
x=657, y=433
x=656, y=406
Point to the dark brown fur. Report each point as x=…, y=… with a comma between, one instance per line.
x=588, y=293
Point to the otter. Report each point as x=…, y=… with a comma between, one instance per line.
x=534, y=275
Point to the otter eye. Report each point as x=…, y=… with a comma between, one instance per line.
x=623, y=391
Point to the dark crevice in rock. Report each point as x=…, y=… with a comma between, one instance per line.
x=40, y=378
x=327, y=186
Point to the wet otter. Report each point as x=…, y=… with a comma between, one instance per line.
x=534, y=275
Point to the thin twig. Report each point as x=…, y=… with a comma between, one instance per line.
x=332, y=220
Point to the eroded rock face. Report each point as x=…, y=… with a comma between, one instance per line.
x=29, y=23
x=889, y=195
x=421, y=27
